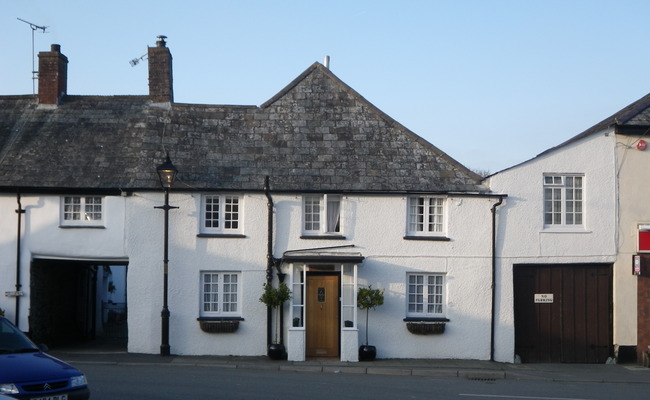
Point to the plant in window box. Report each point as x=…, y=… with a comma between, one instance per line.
x=367, y=299
x=274, y=298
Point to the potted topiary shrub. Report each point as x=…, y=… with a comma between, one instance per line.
x=368, y=298
x=275, y=297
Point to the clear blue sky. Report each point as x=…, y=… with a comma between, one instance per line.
x=491, y=83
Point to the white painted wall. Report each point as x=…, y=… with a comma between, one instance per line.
x=632, y=165
x=374, y=224
x=43, y=237
x=188, y=256
x=521, y=235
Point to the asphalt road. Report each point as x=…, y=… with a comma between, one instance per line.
x=160, y=382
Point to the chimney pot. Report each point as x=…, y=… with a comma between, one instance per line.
x=161, y=41
x=56, y=48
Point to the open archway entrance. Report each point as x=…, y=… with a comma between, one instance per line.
x=75, y=303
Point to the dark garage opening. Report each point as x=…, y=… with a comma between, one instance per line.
x=69, y=304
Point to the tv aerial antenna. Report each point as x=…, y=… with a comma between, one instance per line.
x=137, y=60
x=34, y=72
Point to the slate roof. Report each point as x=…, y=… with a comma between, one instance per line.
x=317, y=134
x=634, y=118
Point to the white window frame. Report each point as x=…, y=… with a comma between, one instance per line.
x=212, y=294
x=223, y=219
x=426, y=216
x=563, y=201
x=82, y=210
x=426, y=298
x=322, y=215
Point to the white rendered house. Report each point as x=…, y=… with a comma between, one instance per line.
x=315, y=187
x=572, y=257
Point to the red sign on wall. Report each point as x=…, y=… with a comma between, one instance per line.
x=644, y=241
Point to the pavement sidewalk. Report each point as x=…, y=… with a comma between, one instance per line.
x=468, y=369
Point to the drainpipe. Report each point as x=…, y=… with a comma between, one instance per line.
x=270, y=262
x=19, y=211
x=494, y=268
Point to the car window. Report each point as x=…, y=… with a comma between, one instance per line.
x=13, y=340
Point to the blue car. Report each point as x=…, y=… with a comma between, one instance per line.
x=26, y=372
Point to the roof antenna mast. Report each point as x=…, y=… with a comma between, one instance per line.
x=34, y=72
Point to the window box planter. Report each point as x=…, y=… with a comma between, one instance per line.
x=426, y=327
x=216, y=325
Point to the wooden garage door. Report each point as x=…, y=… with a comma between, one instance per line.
x=563, y=313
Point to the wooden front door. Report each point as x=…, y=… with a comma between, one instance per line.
x=322, y=315
x=563, y=313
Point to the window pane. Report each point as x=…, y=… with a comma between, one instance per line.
x=573, y=193
x=93, y=209
x=415, y=293
x=425, y=214
x=312, y=213
x=333, y=214
x=211, y=212
x=231, y=212
x=435, y=215
x=72, y=208
x=220, y=292
x=425, y=294
x=563, y=198
x=230, y=293
x=211, y=292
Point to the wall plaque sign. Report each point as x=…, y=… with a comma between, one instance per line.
x=543, y=297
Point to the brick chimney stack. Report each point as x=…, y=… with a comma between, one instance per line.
x=161, y=88
x=52, y=76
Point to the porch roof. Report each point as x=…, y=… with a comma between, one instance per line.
x=322, y=255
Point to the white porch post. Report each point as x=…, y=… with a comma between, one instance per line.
x=349, y=335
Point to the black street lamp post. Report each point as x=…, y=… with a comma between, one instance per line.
x=166, y=173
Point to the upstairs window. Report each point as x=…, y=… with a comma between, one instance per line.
x=425, y=297
x=426, y=216
x=563, y=200
x=321, y=215
x=220, y=294
x=221, y=214
x=82, y=210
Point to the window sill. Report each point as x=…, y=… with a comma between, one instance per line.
x=221, y=235
x=564, y=230
x=82, y=227
x=323, y=237
x=429, y=238
x=219, y=324
x=426, y=326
